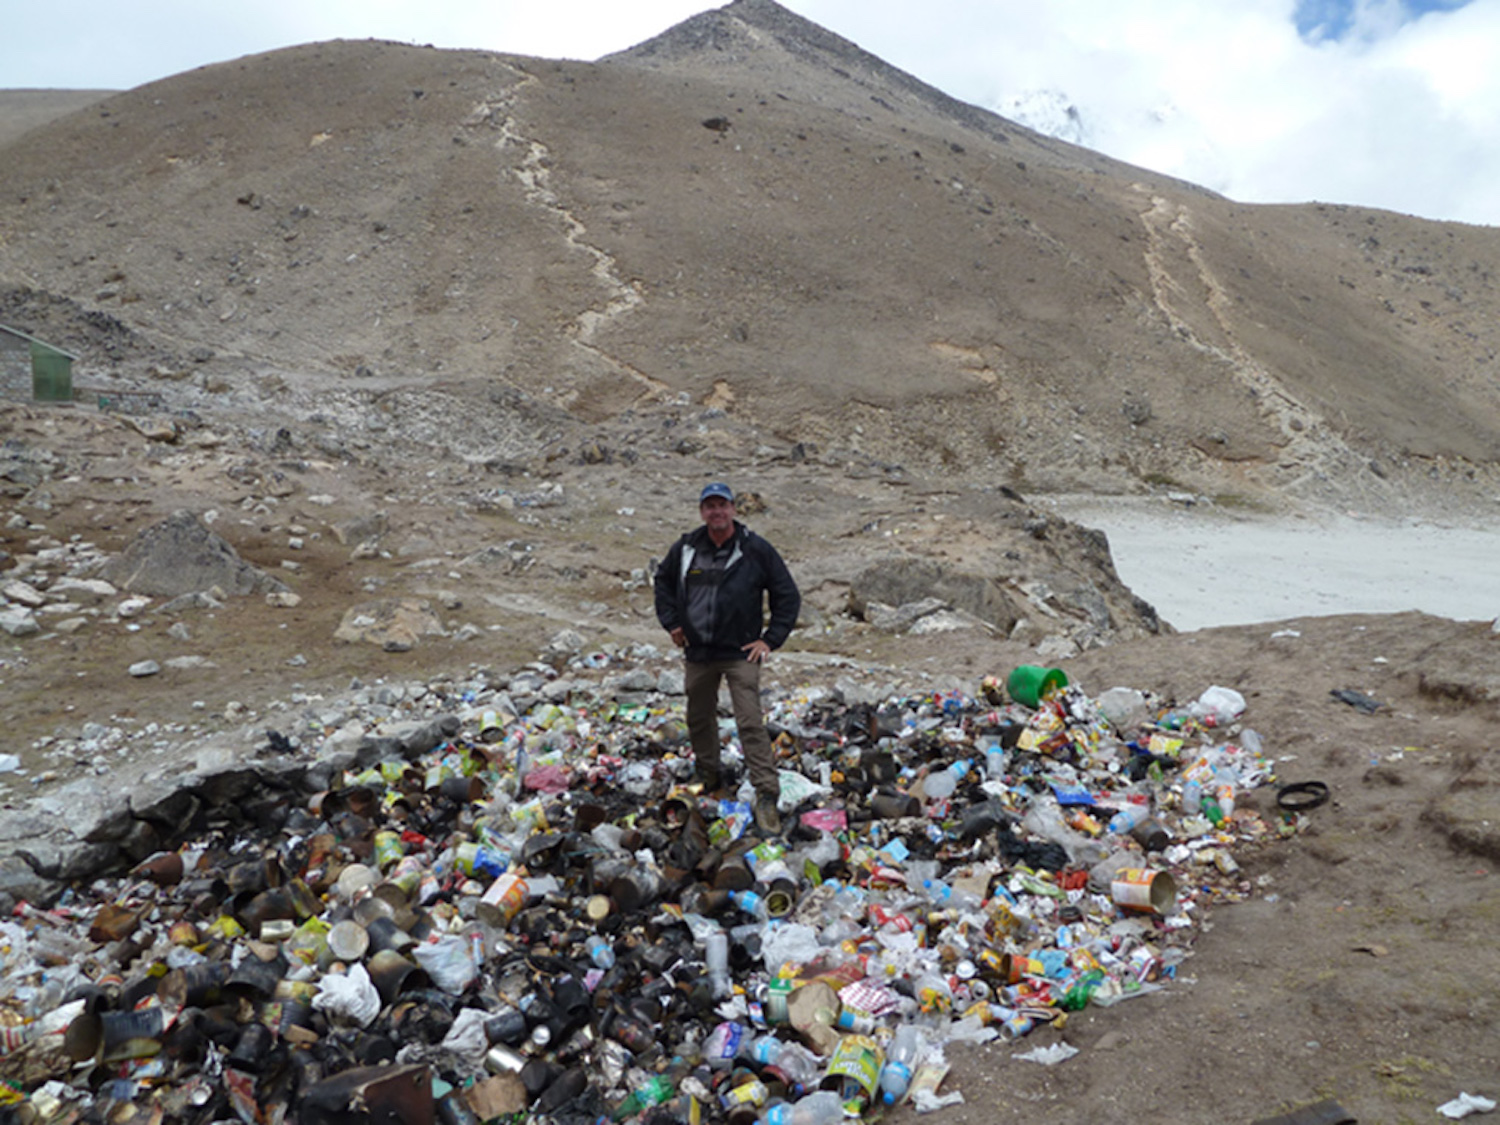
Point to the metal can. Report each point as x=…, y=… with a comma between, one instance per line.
x=388, y=849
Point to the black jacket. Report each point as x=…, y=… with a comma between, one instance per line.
x=722, y=610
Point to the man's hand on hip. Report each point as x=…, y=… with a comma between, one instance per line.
x=757, y=651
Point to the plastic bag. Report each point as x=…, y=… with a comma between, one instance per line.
x=1124, y=708
x=1465, y=1104
x=789, y=943
x=466, y=1039
x=636, y=778
x=548, y=779
x=449, y=961
x=970, y=1029
x=351, y=997
x=1218, y=706
x=1050, y=1055
x=796, y=788
x=1044, y=818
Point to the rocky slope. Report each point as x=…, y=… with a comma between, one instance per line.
x=751, y=212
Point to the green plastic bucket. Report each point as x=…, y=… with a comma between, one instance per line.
x=1031, y=683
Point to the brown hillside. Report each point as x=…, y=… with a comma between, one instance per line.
x=844, y=247
x=24, y=110
x=445, y=343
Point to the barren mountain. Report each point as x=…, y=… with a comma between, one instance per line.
x=753, y=212
x=24, y=110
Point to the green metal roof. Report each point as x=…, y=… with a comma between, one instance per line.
x=9, y=331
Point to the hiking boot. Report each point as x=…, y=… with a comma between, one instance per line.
x=767, y=816
x=711, y=781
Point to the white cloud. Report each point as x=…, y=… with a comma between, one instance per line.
x=1404, y=116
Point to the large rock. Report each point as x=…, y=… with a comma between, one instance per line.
x=907, y=581
x=181, y=555
x=18, y=621
x=395, y=624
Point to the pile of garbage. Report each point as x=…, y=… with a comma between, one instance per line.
x=537, y=913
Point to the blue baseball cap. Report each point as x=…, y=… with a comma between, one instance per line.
x=718, y=488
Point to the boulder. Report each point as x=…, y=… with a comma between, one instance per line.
x=394, y=624
x=181, y=555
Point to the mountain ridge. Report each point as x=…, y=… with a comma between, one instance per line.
x=892, y=278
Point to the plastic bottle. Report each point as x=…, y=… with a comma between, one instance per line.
x=994, y=761
x=900, y=1061
x=1208, y=805
x=600, y=952
x=523, y=767
x=654, y=1091
x=840, y=930
x=847, y=902
x=821, y=1108
x=933, y=993
x=1125, y=821
x=944, y=896
x=793, y=1060
x=750, y=902
x=724, y=1042
x=941, y=783
x=799, y=1064
x=1192, y=797
x=1224, y=795
x=716, y=958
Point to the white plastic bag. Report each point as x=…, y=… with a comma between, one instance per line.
x=1465, y=1104
x=466, y=1039
x=1221, y=704
x=1050, y=1055
x=449, y=961
x=796, y=788
x=789, y=943
x=351, y=997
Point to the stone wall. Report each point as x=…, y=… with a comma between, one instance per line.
x=15, y=367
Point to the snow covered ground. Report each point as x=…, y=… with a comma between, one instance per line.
x=1202, y=567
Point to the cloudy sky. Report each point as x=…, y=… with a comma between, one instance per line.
x=1386, y=103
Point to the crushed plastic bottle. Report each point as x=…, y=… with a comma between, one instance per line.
x=600, y=952
x=1128, y=819
x=821, y=1108
x=793, y=1060
x=716, y=961
x=901, y=1060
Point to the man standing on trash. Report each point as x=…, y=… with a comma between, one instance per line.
x=710, y=595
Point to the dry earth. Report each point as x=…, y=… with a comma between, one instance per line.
x=531, y=307
x=25, y=110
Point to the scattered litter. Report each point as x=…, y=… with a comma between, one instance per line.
x=526, y=903
x=1301, y=796
x=1050, y=1055
x=1465, y=1104
x=1357, y=699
